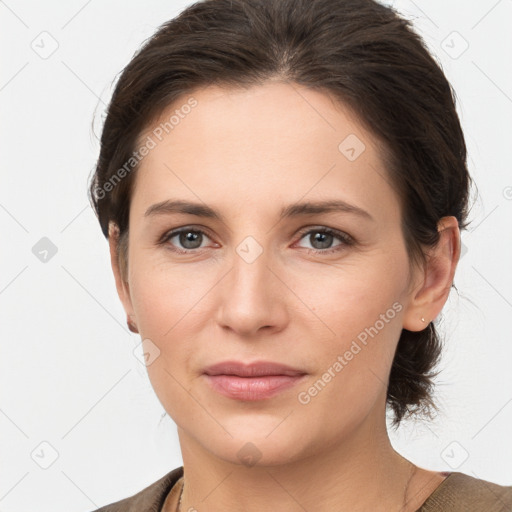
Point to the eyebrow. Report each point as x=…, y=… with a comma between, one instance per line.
x=294, y=210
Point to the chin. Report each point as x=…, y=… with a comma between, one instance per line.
x=260, y=444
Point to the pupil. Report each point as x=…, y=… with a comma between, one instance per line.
x=320, y=237
x=189, y=237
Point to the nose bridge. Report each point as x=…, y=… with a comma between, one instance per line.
x=250, y=297
x=251, y=275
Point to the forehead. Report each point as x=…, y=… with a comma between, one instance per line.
x=275, y=113
x=273, y=142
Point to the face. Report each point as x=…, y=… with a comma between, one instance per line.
x=322, y=291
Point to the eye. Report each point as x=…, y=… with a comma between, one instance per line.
x=323, y=238
x=189, y=238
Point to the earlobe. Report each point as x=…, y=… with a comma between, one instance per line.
x=428, y=298
x=131, y=325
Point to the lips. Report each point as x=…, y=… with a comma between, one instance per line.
x=254, y=381
x=257, y=369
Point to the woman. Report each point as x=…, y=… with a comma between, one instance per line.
x=282, y=185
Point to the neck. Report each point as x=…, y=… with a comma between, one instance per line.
x=358, y=473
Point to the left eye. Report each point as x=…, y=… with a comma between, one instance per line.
x=324, y=237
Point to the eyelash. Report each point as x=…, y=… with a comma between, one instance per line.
x=343, y=237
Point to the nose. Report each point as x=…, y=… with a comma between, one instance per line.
x=252, y=297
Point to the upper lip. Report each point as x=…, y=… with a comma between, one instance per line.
x=255, y=369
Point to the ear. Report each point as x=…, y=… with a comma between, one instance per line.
x=122, y=285
x=429, y=296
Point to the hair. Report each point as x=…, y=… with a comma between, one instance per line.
x=361, y=53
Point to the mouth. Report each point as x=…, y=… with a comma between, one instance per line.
x=255, y=381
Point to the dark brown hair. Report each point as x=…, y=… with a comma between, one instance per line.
x=358, y=51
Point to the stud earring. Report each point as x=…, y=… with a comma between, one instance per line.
x=422, y=319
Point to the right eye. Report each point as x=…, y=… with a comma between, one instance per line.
x=190, y=239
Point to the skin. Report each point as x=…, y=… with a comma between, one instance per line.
x=247, y=153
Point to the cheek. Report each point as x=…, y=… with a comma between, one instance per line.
x=165, y=303
x=352, y=371
x=164, y=296
x=359, y=317
x=348, y=299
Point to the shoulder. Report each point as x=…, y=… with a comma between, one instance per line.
x=149, y=499
x=465, y=493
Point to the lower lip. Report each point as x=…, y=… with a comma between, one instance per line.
x=252, y=388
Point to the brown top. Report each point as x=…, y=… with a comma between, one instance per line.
x=458, y=492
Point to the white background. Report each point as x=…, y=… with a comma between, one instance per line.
x=69, y=377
